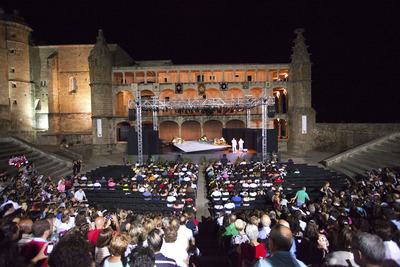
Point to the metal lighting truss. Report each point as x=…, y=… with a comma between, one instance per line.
x=212, y=104
x=139, y=126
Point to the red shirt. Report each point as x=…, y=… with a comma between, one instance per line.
x=31, y=249
x=93, y=235
x=251, y=253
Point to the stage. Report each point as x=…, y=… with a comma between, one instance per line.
x=197, y=146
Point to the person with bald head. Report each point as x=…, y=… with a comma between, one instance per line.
x=26, y=230
x=94, y=234
x=99, y=223
x=280, y=242
x=265, y=230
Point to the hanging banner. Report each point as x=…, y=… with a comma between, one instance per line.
x=202, y=88
x=178, y=88
x=304, y=124
x=99, y=131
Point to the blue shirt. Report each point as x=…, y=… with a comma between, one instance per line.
x=280, y=259
x=236, y=200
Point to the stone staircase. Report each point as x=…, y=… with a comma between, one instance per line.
x=47, y=163
x=378, y=153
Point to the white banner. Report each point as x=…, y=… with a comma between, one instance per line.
x=99, y=131
x=304, y=124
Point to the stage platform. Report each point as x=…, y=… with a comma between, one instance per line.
x=197, y=146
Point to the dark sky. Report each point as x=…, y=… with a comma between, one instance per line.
x=354, y=45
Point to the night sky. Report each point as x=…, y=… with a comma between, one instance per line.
x=354, y=45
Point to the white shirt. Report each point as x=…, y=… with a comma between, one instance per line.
x=185, y=235
x=392, y=251
x=62, y=227
x=79, y=195
x=15, y=204
x=175, y=251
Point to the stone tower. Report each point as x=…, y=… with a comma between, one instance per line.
x=301, y=114
x=100, y=66
x=16, y=104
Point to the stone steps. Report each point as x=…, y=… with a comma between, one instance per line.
x=379, y=153
x=47, y=163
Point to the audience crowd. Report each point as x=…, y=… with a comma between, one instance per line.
x=262, y=222
x=357, y=224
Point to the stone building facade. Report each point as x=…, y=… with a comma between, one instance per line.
x=81, y=92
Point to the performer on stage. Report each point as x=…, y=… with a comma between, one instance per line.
x=241, y=142
x=234, y=143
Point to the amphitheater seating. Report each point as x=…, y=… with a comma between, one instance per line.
x=312, y=177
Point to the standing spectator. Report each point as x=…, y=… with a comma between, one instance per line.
x=94, y=234
x=173, y=250
x=326, y=190
x=102, y=245
x=241, y=237
x=265, y=230
x=74, y=167
x=368, y=249
x=301, y=197
x=230, y=230
x=155, y=242
x=26, y=229
x=42, y=230
x=118, y=245
x=72, y=250
x=250, y=252
x=78, y=166
x=309, y=250
x=384, y=230
x=280, y=242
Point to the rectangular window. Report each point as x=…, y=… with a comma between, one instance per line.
x=249, y=78
x=12, y=70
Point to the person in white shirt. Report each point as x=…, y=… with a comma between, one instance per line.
x=241, y=142
x=229, y=206
x=234, y=143
x=172, y=249
x=80, y=195
x=216, y=195
x=185, y=235
x=64, y=226
x=171, y=200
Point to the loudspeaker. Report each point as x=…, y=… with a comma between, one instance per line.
x=151, y=142
x=123, y=132
x=132, y=115
x=132, y=141
x=271, y=111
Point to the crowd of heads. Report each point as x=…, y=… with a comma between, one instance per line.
x=35, y=210
x=360, y=218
